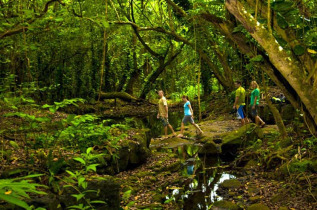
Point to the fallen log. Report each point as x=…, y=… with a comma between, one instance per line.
x=120, y=95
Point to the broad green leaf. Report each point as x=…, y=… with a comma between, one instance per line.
x=14, y=145
x=14, y=200
x=78, y=196
x=79, y=159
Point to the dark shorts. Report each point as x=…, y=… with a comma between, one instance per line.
x=254, y=112
x=188, y=118
x=164, y=121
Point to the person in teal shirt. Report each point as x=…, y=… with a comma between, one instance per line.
x=188, y=117
x=254, y=103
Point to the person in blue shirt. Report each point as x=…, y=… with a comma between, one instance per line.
x=189, y=116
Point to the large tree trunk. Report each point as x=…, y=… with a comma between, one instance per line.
x=240, y=41
x=135, y=71
x=283, y=62
x=288, y=34
x=156, y=73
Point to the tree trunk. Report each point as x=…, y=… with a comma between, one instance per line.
x=156, y=73
x=283, y=62
x=135, y=71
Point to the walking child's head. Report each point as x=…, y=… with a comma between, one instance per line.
x=185, y=98
x=254, y=85
x=161, y=93
x=237, y=83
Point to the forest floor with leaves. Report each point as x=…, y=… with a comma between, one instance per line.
x=147, y=185
x=259, y=186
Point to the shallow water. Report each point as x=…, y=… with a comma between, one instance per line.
x=201, y=191
x=206, y=173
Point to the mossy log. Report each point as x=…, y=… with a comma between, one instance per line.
x=121, y=95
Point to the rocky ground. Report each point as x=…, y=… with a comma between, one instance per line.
x=255, y=188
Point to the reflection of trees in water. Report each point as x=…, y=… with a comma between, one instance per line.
x=205, y=192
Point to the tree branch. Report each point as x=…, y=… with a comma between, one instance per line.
x=18, y=28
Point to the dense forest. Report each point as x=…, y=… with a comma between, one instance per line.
x=79, y=85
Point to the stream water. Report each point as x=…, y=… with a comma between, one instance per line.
x=206, y=172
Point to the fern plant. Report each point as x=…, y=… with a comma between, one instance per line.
x=15, y=190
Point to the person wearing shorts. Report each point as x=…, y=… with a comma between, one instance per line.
x=239, y=102
x=188, y=116
x=163, y=113
x=254, y=103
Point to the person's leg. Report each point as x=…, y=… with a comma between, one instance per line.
x=260, y=121
x=165, y=130
x=182, y=128
x=171, y=129
x=256, y=120
x=246, y=119
x=165, y=124
x=240, y=112
x=191, y=120
x=197, y=127
x=254, y=115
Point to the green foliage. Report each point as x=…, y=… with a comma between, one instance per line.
x=299, y=166
x=190, y=91
x=282, y=6
x=83, y=131
x=15, y=190
x=64, y=103
x=281, y=21
x=299, y=50
x=78, y=181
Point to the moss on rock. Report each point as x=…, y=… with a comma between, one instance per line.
x=231, y=183
x=258, y=206
x=226, y=205
x=245, y=134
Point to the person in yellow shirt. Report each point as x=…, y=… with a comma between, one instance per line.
x=163, y=113
x=239, y=102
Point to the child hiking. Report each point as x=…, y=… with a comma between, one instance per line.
x=188, y=116
x=254, y=103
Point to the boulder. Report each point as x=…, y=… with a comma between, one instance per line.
x=258, y=206
x=242, y=136
x=225, y=205
x=133, y=152
x=209, y=146
x=231, y=184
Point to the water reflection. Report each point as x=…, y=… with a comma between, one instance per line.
x=201, y=191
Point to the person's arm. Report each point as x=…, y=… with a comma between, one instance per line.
x=254, y=103
x=166, y=108
x=191, y=110
x=237, y=99
x=235, y=102
x=257, y=94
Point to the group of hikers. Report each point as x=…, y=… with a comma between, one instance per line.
x=239, y=106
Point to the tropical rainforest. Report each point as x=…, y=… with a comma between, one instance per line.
x=79, y=84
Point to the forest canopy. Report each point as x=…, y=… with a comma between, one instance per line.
x=80, y=48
